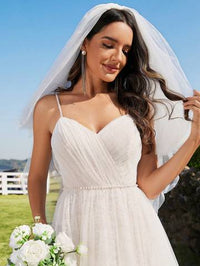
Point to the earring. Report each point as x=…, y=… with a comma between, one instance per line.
x=83, y=54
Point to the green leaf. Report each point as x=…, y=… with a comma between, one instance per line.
x=10, y=262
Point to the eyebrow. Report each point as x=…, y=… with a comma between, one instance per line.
x=114, y=40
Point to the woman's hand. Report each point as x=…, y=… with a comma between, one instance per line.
x=193, y=104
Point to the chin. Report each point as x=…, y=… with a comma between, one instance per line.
x=109, y=79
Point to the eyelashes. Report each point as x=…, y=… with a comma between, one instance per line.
x=111, y=47
x=107, y=46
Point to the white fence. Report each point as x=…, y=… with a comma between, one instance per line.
x=15, y=183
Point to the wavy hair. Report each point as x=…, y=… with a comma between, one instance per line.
x=134, y=83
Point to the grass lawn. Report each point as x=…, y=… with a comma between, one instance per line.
x=15, y=211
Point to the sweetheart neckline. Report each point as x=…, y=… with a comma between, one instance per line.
x=86, y=128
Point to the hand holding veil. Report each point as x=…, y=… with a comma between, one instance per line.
x=170, y=134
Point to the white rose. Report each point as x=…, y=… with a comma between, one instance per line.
x=34, y=251
x=44, y=231
x=70, y=260
x=14, y=256
x=15, y=259
x=18, y=234
x=81, y=249
x=64, y=242
x=20, y=263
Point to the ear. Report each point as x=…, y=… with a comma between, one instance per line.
x=84, y=45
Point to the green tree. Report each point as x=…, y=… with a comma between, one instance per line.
x=195, y=160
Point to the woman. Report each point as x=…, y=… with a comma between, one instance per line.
x=95, y=115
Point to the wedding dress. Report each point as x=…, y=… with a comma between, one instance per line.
x=100, y=203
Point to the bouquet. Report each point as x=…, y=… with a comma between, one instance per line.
x=38, y=245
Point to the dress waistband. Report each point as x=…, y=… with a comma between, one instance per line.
x=100, y=187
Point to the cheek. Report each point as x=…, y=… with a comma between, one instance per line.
x=95, y=58
x=92, y=61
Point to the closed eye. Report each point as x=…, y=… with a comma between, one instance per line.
x=107, y=46
x=110, y=47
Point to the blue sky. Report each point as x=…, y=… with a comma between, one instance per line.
x=34, y=32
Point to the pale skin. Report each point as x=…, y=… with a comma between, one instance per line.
x=95, y=110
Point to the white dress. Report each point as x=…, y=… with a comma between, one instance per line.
x=101, y=204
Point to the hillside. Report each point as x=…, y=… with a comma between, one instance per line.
x=12, y=164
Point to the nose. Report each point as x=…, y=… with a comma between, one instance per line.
x=117, y=55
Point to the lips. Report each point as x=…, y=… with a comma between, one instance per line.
x=110, y=68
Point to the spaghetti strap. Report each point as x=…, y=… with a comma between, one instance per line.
x=59, y=107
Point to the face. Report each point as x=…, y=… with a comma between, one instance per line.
x=107, y=51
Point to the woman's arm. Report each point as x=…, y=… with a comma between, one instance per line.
x=153, y=180
x=41, y=156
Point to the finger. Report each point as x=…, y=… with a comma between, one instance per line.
x=193, y=97
x=193, y=108
x=195, y=92
x=194, y=102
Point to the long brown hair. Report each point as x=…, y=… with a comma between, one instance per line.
x=134, y=83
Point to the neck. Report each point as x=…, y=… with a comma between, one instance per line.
x=93, y=87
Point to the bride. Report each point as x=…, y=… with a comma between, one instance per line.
x=99, y=116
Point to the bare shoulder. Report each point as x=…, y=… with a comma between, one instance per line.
x=48, y=103
x=45, y=101
x=46, y=111
x=44, y=105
